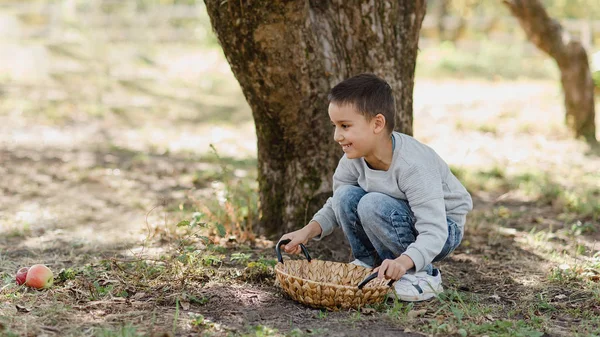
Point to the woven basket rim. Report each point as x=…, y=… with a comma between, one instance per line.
x=337, y=285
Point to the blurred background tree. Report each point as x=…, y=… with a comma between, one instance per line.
x=572, y=60
x=571, y=55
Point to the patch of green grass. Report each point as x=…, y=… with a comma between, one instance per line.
x=257, y=271
x=567, y=275
x=491, y=179
x=499, y=328
x=17, y=230
x=210, y=260
x=461, y=314
x=589, y=324
x=543, y=305
x=488, y=128
x=240, y=257
x=584, y=202
x=6, y=278
x=492, y=60
x=296, y=332
x=53, y=314
x=271, y=262
x=234, y=211
x=582, y=199
x=66, y=274
x=399, y=310
x=5, y=330
x=261, y=331
x=200, y=323
x=536, y=184
x=8, y=333
x=102, y=290
x=581, y=228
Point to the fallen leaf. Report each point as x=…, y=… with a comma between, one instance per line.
x=507, y=231
x=367, y=311
x=21, y=308
x=415, y=313
x=138, y=296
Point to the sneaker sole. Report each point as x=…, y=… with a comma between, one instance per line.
x=422, y=297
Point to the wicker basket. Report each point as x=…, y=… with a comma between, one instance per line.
x=329, y=285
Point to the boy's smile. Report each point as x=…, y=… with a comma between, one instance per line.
x=351, y=129
x=360, y=137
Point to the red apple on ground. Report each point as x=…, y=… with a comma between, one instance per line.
x=21, y=275
x=39, y=277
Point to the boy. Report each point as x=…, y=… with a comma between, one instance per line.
x=396, y=200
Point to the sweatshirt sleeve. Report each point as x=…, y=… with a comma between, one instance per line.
x=424, y=192
x=345, y=174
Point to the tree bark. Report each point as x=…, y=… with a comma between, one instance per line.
x=286, y=55
x=570, y=55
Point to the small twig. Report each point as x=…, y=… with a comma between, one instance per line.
x=49, y=328
x=6, y=286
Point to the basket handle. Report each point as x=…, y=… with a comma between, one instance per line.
x=370, y=278
x=285, y=242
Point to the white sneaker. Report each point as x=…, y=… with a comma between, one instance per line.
x=419, y=286
x=360, y=263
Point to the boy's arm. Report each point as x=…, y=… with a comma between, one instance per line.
x=345, y=174
x=423, y=190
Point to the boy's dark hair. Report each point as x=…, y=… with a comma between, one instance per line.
x=369, y=94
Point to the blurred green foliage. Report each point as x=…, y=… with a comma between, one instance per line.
x=561, y=9
x=491, y=60
x=469, y=38
x=596, y=78
x=573, y=8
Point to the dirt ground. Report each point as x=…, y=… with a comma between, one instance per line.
x=96, y=194
x=107, y=118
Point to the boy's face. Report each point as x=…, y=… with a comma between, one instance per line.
x=353, y=131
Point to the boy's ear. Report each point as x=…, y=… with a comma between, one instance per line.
x=378, y=123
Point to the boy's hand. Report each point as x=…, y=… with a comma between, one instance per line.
x=394, y=269
x=300, y=236
x=390, y=269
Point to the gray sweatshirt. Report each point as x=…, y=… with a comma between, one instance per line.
x=417, y=174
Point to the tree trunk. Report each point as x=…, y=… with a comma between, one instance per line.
x=571, y=57
x=286, y=55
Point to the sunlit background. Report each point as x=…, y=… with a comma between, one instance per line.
x=109, y=109
x=148, y=77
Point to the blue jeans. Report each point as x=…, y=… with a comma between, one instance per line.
x=381, y=227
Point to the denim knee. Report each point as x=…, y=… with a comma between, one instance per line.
x=346, y=198
x=382, y=205
x=369, y=205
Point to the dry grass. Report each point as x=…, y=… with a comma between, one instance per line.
x=529, y=262
x=99, y=171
